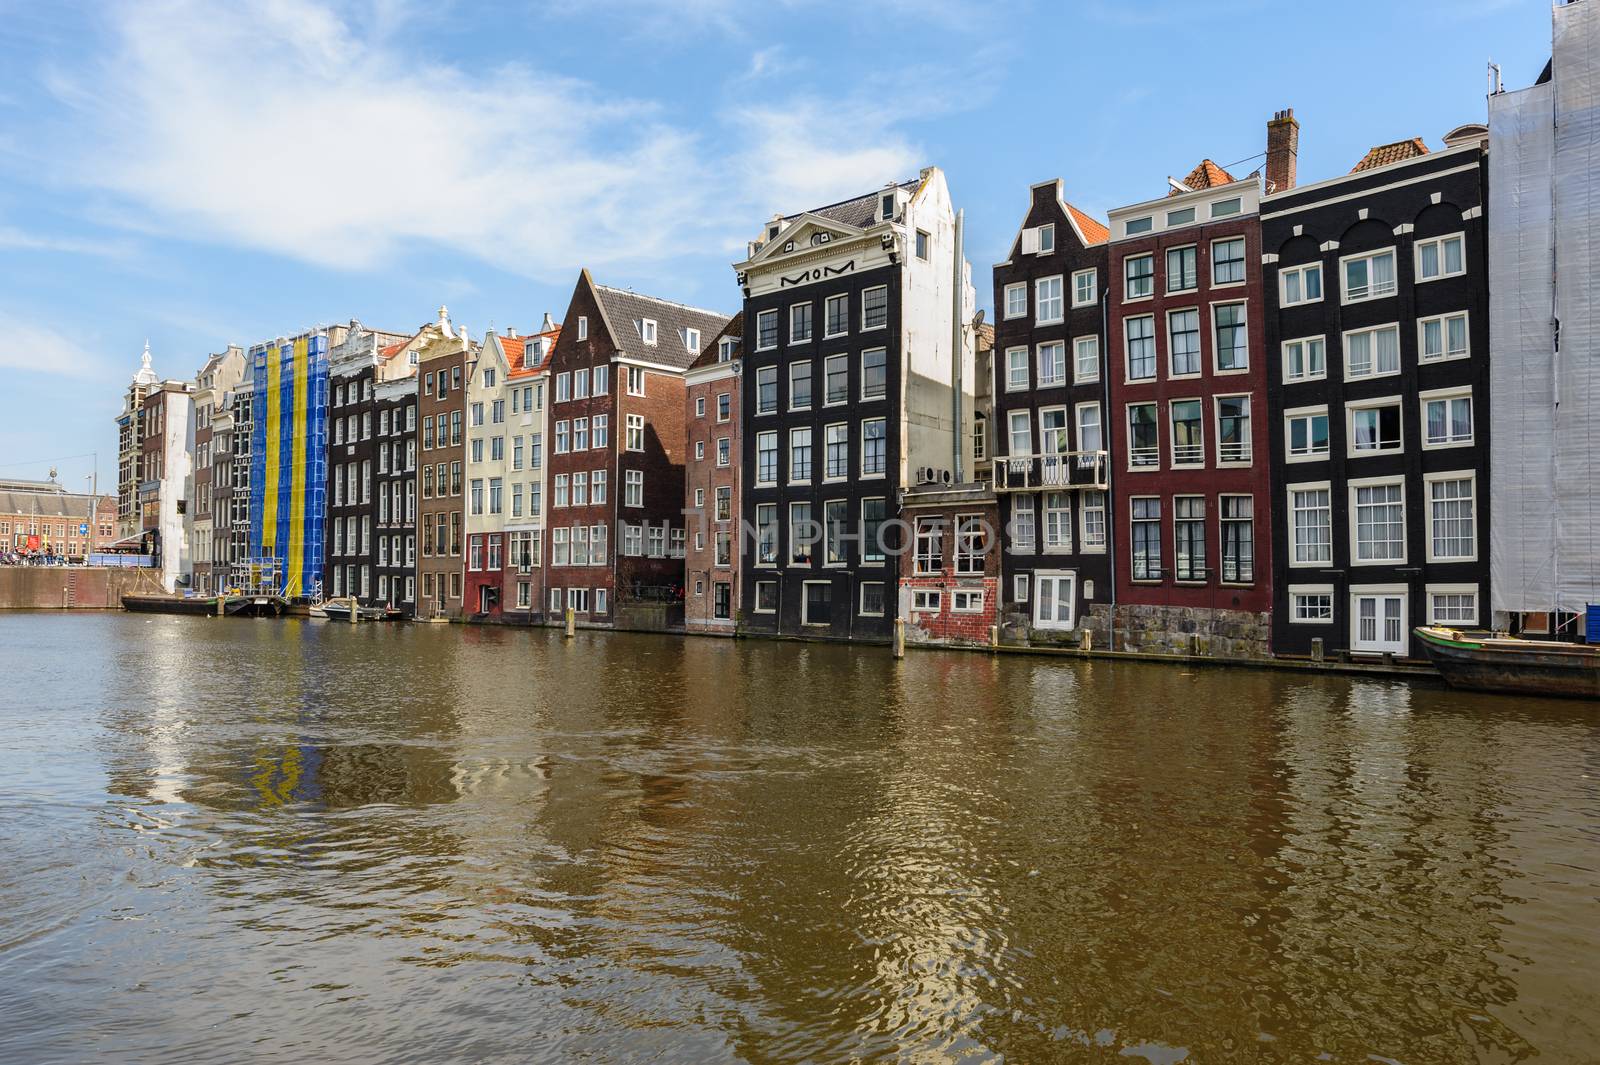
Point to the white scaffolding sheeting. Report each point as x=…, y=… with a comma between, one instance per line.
x=1522, y=462
x=1577, y=201
x=1544, y=227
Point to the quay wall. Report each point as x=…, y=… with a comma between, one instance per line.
x=71, y=587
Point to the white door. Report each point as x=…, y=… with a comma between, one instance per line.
x=1054, y=600
x=1378, y=623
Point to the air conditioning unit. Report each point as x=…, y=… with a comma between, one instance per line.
x=927, y=475
x=946, y=476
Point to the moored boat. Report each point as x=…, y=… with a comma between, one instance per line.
x=256, y=606
x=1511, y=664
x=170, y=604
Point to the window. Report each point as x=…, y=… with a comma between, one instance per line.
x=1447, y=418
x=1374, y=427
x=580, y=384
x=1306, y=433
x=724, y=503
x=874, y=512
x=560, y=491
x=1047, y=306
x=563, y=387
x=835, y=519
x=922, y=245
x=1232, y=343
x=767, y=390
x=1092, y=513
x=1016, y=301
x=766, y=534
x=1016, y=369
x=766, y=330
x=1140, y=274
x=1021, y=433
x=799, y=455
x=1233, y=429
x=1086, y=359
x=563, y=438
x=802, y=533
x=1054, y=600
x=601, y=426
x=1305, y=359
x=1378, y=619
x=874, y=447
x=875, y=307
x=1443, y=337
x=1238, y=538
x=1146, y=534
x=836, y=443
x=1141, y=347
x=1183, y=343
x=1138, y=225
x=1052, y=364
x=766, y=597
x=634, y=424
x=1188, y=441
x=874, y=373
x=1452, y=535
x=535, y=451
x=1053, y=431
x=800, y=386
x=700, y=406
x=966, y=602
x=1183, y=216
x=766, y=458
x=635, y=380
x=1440, y=257
x=838, y=316
x=580, y=434
x=602, y=386
x=1369, y=276
x=926, y=601
x=799, y=323
x=872, y=599
x=723, y=450
x=1310, y=525
x=980, y=435
x=1300, y=284
x=1144, y=437
x=1085, y=288
x=1452, y=604
x=1372, y=352
x=886, y=206
x=597, y=481
x=633, y=488
x=1227, y=260
x=1047, y=238
x=1189, y=537
x=1310, y=604
x=1057, y=522
x=1377, y=513
x=1019, y=588
x=929, y=557
x=477, y=496
x=583, y=327
x=1182, y=271
x=836, y=379
x=1021, y=530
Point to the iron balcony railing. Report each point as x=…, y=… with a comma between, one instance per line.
x=1064, y=469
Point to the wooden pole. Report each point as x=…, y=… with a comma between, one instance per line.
x=572, y=622
x=899, y=638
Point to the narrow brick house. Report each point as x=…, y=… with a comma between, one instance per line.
x=616, y=462
x=714, y=478
x=444, y=358
x=1188, y=394
x=528, y=387
x=950, y=578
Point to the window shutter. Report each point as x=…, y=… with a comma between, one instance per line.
x=1030, y=241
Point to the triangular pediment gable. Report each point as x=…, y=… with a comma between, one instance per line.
x=805, y=232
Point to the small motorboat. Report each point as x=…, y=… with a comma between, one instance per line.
x=1493, y=663
x=346, y=608
x=196, y=605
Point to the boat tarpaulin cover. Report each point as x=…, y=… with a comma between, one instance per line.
x=1544, y=209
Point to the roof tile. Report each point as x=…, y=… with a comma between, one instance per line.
x=1384, y=154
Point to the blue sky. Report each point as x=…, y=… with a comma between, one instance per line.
x=201, y=174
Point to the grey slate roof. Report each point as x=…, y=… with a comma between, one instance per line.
x=624, y=310
x=50, y=504
x=861, y=211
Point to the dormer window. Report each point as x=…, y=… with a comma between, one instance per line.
x=819, y=238
x=886, y=206
x=772, y=231
x=691, y=339
x=647, y=329
x=726, y=348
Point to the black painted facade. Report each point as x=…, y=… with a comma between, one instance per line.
x=1401, y=207
x=1074, y=251
x=371, y=537
x=774, y=596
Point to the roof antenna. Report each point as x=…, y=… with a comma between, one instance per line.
x=1496, y=86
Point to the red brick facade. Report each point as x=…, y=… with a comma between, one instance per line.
x=712, y=494
x=951, y=595
x=441, y=479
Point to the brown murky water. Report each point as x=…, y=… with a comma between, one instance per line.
x=226, y=840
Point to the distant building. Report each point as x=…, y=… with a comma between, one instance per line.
x=166, y=472
x=445, y=356
x=42, y=518
x=130, y=447
x=616, y=463
x=715, y=480
x=857, y=374
x=235, y=433
x=213, y=469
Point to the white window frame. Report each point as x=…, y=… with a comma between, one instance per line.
x=1380, y=592
x=1057, y=580
x=1166, y=267
x=1353, y=522
x=1431, y=590
x=1374, y=373
x=1062, y=379
x=866, y=292
x=1216, y=349
x=1047, y=246
x=1247, y=458
x=1352, y=407
x=1244, y=247
x=974, y=600
x=861, y=599
x=1012, y=356
x=1301, y=271
x=1127, y=260
x=827, y=315
x=1298, y=590
x=760, y=316
x=1439, y=243
x=1344, y=277
x=1012, y=291
x=1019, y=588
x=1093, y=296
x=1294, y=414
x=927, y=601
x=1289, y=516
x=1428, y=481
x=1078, y=376
x=1446, y=396
x=1444, y=336
x=1059, y=300
x=1305, y=342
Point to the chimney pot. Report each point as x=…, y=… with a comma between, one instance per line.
x=1283, y=150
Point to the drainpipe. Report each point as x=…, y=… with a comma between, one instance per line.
x=1106, y=421
x=956, y=326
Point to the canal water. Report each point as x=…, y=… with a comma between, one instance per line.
x=227, y=840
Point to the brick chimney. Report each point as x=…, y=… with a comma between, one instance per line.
x=1283, y=148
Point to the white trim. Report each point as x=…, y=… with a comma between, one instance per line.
x=1371, y=253
x=1428, y=481
x=1431, y=590
x=1301, y=190
x=1416, y=257
x=1380, y=592
x=1444, y=394
x=1283, y=352
x=1353, y=522
x=1308, y=486
x=1312, y=589
x=1444, y=336
x=1351, y=407
x=1292, y=413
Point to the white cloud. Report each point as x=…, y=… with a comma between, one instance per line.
x=20, y=240
x=40, y=349
x=794, y=160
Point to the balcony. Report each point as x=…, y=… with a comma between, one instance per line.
x=1058, y=470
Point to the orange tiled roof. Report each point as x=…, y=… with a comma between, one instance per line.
x=393, y=349
x=516, y=349
x=1207, y=175
x=1094, y=231
x=1384, y=154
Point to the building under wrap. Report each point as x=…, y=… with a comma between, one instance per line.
x=1544, y=232
x=289, y=464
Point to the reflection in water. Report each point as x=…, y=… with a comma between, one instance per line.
x=301, y=842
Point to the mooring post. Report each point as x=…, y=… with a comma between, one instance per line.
x=899, y=638
x=572, y=622
x=1317, y=653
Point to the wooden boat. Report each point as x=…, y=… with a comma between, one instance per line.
x=170, y=604
x=340, y=609
x=1485, y=662
x=256, y=606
